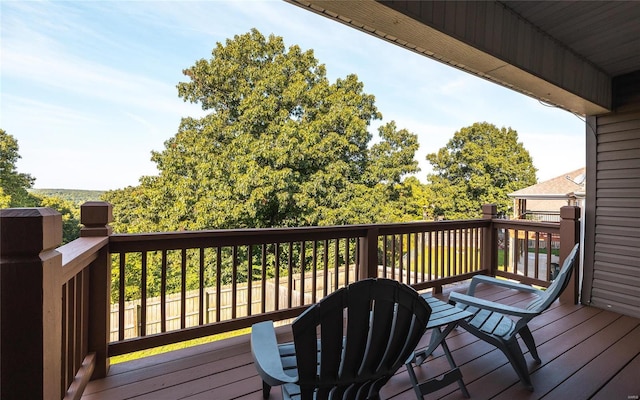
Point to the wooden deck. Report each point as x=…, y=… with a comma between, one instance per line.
x=586, y=353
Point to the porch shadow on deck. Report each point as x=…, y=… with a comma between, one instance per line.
x=586, y=353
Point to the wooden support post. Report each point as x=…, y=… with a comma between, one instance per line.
x=368, y=265
x=569, y=236
x=30, y=304
x=489, y=240
x=96, y=216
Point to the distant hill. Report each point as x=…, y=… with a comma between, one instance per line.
x=74, y=195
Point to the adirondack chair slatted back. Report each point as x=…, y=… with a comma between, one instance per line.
x=558, y=285
x=367, y=332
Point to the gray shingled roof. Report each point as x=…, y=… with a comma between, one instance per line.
x=555, y=188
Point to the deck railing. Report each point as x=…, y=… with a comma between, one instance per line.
x=541, y=216
x=270, y=273
x=262, y=273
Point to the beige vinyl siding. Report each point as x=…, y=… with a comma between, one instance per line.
x=615, y=277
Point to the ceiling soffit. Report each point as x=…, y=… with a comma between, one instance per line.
x=484, y=38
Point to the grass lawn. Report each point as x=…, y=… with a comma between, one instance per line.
x=176, y=346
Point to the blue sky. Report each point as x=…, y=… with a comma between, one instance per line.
x=88, y=88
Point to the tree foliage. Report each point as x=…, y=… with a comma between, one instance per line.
x=14, y=190
x=13, y=184
x=70, y=216
x=481, y=164
x=280, y=146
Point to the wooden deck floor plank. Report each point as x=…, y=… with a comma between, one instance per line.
x=224, y=370
x=436, y=365
x=213, y=347
x=158, y=365
x=542, y=334
x=501, y=377
x=433, y=368
x=496, y=359
x=493, y=375
x=476, y=370
x=589, y=379
x=132, y=370
x=491, y=357
x=276, y=394
x=624, y=385
x=239, y=380
x=177, y=372
x=398, y=388
x=166, y=364
x=551, y=375
x=548, y=326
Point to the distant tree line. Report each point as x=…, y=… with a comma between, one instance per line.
x=15, y=190
x=76, y=196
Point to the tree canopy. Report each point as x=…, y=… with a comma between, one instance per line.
x=481, y=164
x=13, y=184
x=280, y=146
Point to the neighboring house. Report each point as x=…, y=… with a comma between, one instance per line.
x=542, y=201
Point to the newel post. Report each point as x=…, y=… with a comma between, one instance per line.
x=569, y=236
x=489, y=239
x=96, y=216
x=30, y=304
x=368, y=265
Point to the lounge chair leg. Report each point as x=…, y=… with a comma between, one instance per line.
x=514, y=354
x=528, y=340
x=266, y=389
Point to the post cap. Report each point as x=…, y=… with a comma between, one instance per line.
x=25, y=231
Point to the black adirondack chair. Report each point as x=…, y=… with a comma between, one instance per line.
x=499, y=324
x=346, y=346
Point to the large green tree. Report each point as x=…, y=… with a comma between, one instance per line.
x=13, y=184
x=279, y=146
x=481, y=164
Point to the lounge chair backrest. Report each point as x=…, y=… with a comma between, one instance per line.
x=383, y=322
x=558, y=285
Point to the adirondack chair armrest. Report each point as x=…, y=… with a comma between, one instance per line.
x=498, y=282
x=459, y=298
x=264, y=349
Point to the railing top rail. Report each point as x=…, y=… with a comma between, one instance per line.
x=229, y=237
x=523, y=224
x=212, y=233
x=542, y=212
x=78, y=254
x=430, y=226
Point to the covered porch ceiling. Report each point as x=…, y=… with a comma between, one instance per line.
x=566, y=53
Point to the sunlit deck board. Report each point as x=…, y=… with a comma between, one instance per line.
x=585, y=352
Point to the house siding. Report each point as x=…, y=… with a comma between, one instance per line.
x=612, y=265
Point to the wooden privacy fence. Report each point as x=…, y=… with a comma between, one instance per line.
x=133, y=309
